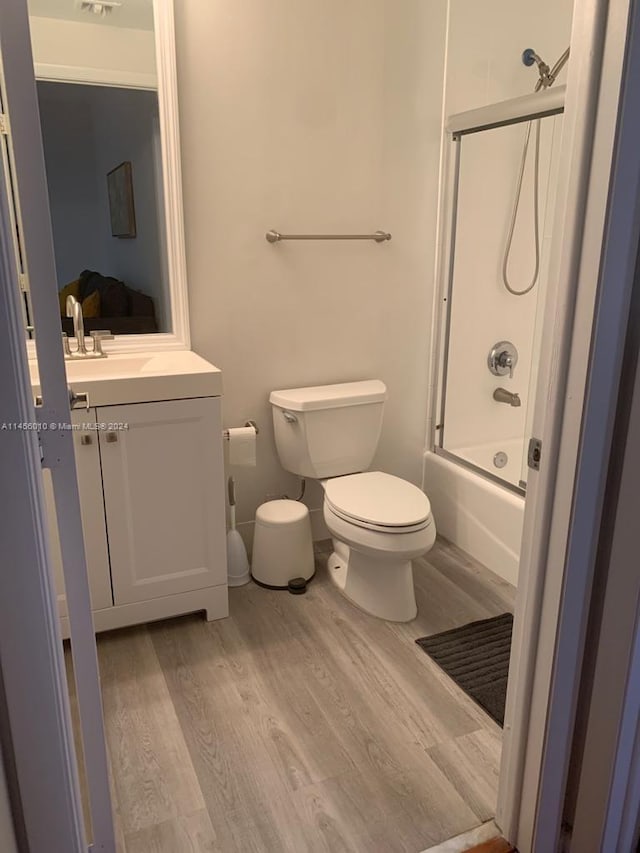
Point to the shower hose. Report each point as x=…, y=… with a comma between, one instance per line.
x=516, y=205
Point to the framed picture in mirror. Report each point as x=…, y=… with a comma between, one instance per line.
x=121, y=206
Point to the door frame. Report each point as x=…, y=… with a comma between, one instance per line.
x=593, y=265
x=54, y=448
x=35, y=721
x=560, y=526
x=603, y=808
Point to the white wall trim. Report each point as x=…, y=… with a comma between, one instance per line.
x=171, y=168
x=30, y=646
x=25, y=140
x=606, y=813
x=560, y=526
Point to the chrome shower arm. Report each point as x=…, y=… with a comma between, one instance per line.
x=548, y=75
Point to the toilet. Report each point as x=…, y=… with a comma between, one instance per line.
x=378, y=522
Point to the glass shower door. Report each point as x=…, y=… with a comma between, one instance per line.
x=485, y=418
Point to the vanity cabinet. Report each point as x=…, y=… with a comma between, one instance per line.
x=88, y=470
x=151, y=486
x=162, y=483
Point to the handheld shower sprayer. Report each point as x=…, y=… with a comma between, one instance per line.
x=546, y=79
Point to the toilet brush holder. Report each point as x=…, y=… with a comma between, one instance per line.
x=238, y=573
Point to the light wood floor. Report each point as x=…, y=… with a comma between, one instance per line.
x=300, y=723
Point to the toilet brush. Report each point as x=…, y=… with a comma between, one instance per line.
x=237, y=562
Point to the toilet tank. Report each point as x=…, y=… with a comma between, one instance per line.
x=328, y=430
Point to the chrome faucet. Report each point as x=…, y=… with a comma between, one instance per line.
x=502, y=359
x=501, y=395
x=74, y=309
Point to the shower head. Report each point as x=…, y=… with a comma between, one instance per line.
x=530, y=57
x=547, y=75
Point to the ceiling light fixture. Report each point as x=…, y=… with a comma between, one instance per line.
x=99, y=7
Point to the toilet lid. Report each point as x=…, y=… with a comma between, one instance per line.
x=377, y=498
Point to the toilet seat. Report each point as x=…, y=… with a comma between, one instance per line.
x=377, y=501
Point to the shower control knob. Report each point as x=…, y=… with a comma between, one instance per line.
x=502, y=359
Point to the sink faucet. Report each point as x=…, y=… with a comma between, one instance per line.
x=501, y=395
x=74, y=309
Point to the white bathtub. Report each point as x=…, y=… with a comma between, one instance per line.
x=484, y=456
x=479, y=516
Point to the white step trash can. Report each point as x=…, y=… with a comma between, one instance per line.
x=282, y=546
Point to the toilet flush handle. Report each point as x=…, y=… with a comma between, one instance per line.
x=289, y=417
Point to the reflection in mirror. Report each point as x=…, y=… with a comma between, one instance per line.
x=102, y=157
x=95, y=66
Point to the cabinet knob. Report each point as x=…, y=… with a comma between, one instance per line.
x=111, y=437
x=86, y=439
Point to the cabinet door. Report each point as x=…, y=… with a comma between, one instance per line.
x=163, y=483
x=85, y=442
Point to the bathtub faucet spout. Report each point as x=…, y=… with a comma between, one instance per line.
x=501, y=395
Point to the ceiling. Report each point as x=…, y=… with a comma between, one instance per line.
x=133, y=14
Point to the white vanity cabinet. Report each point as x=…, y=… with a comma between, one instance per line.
x=162, y=479
x=151, y=484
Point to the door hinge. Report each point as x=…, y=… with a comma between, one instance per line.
x=4, y=124
x=534, y=454
x=24, y=282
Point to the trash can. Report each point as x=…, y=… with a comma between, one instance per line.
x=282, y=546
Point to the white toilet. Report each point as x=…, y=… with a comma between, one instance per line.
x=378, y=522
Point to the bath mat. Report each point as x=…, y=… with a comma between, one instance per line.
x=476, y=657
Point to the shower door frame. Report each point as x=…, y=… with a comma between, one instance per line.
x=505, y=114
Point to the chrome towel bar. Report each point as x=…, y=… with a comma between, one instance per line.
x=275, y=236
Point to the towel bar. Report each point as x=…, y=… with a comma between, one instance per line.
x=378, y=236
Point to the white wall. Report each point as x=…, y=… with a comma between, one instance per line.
x=312, y=117
x=76, y=194
x=484, y=48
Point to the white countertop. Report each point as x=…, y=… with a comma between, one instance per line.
x=140, y=377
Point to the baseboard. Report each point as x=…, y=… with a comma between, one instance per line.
x=213, y=600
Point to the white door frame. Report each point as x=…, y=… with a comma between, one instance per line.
x=607, y=784
x=20, y=102
x=536, y=742
x=574, y=416
x=44, y=787
x=606, y=772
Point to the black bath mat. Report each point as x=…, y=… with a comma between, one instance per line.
x=476, y=656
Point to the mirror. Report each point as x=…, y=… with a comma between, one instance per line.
x=108, y=114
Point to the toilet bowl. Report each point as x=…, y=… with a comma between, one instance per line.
x=378, y=522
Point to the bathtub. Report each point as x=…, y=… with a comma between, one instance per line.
x=485, y=456
x=476, y=514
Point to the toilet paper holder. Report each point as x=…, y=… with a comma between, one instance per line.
x=225, y=432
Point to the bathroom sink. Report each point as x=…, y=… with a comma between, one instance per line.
x=105, y=367
x=140, y=378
